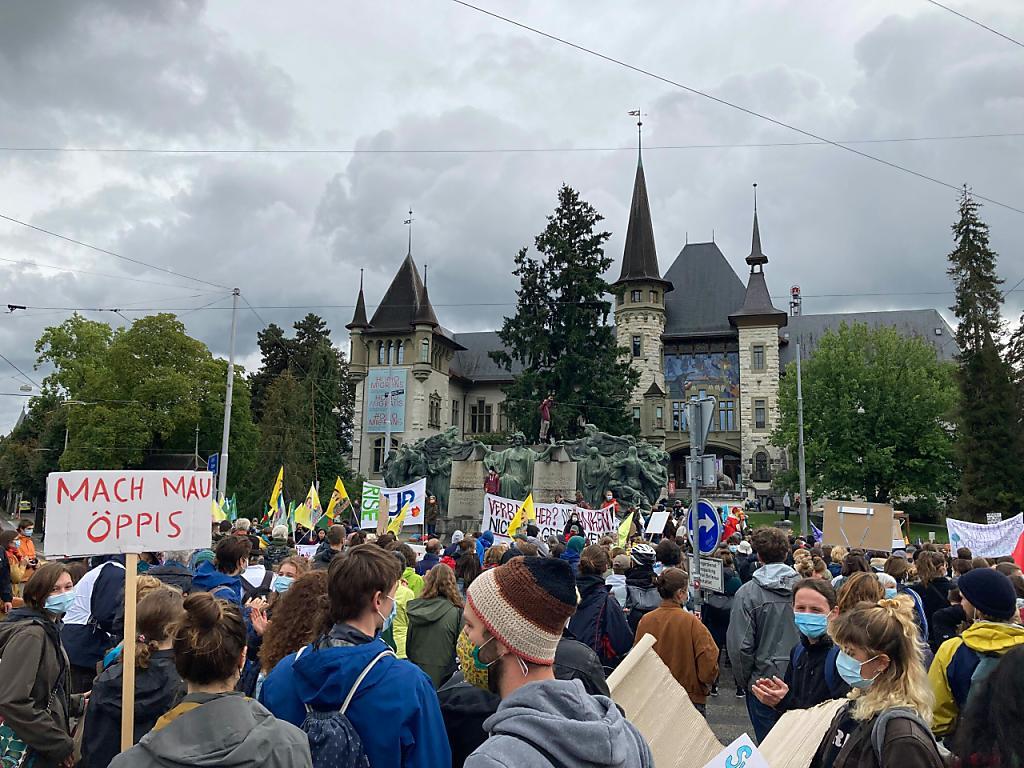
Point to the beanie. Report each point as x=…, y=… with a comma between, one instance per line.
x=576, y=544
x=525, y=604
x=990, y=592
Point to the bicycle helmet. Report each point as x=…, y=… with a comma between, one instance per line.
x=642, y=553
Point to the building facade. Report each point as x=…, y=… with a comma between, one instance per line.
x=697, y=329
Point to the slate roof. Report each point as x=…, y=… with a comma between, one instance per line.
x=473, y=362
x=639, y=256
x=808, y=329
x=424, y=311
x=401, y=303
x=359, y=316
x=719, y=293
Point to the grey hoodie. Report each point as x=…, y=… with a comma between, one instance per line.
x=225, y=729
x=557, y=724
x=761, y=628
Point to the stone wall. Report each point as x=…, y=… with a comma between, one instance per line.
x=648, y=322
x=758, y=385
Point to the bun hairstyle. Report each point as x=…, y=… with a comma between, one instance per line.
x=670, y=581
x=158, y=613
x=209, y=640
x=594, y=560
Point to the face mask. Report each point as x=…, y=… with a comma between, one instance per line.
x=609, y=497
x=390, y=618
x=849, y=669
x=812, y=625
x=734, y=548
x=481, y=665
x=281, y=583
x=59, y=604
x=472, y=675
x=890, y=593
x=15, y=543
x=28, y=532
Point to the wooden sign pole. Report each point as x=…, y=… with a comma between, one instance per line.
x=131, y=568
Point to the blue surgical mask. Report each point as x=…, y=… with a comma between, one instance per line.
x=812, y=625
x=15, y=543
x=28, y=532
x=850, y=670
x=281, y=583
x=890, y=593
x=734, y=548
x=390, y=618
x=59, y=604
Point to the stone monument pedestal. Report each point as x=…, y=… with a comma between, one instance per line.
x=465, y=497
x=557, y=476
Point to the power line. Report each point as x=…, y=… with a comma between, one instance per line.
x=29, y=380
x=730, y=104
x=489, y=150
x=97, y=274
x=976, y=23
x=117, y=255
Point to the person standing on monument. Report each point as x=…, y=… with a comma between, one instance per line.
x=492, y=483
x=545, y=415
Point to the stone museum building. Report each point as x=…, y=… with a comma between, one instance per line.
x=414, y=378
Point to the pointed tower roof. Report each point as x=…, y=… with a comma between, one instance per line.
x=424, y=312
x=359, y=316
x=397, y=310
x=757, y=306
x=640, y=257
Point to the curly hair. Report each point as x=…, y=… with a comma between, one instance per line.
x=493, y=555
x=858, y=588
x=440, y=582
x=300, y=615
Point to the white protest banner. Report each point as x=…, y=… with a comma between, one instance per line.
x=741, y=752
x=307, y=550
x=415, y=494
x=110, y=512
x=551, y=518
x=986, y=540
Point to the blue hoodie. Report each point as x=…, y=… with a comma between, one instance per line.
x=483, y=544
x=395, y=710
x=209, y=579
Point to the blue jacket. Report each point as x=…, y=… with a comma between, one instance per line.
x=209, y=579
x=483, y=544
x=572, y=557
x=429, y=561
x=395, y=710
x=600, y=623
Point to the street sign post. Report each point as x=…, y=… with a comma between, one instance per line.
x=712, y=574
x=699, y=414
x=213, y=463
x=704, y=526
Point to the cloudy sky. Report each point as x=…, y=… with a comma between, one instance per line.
x=387, y=77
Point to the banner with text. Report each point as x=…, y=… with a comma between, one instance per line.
x=385, y=399
x=414, y=493
x=551, y=518
x=995, y=540
x=109, y=512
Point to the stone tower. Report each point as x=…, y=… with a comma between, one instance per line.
x=758, y=323
x=640, y=312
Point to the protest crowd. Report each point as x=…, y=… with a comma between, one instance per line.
x=471, y=652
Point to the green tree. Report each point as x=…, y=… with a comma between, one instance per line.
x=560, y=333
x=990, y=448
x=901, y=445
x=284, y=440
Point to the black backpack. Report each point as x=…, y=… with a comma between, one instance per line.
x=333, y=740
x=262, y=590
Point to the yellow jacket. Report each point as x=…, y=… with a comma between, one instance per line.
x=400, y=626
x=954, y=664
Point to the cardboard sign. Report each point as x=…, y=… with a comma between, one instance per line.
x=307, y=550
x=110, y=512
x=740, y=754
x=795, y=738
x=858, y=524
x=415, y=494
x=551, y=519
x=996, y=540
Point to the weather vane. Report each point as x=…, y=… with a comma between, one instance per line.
x=639, y=123
x=408, y=223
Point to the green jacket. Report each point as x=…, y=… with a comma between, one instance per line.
x=434, y=627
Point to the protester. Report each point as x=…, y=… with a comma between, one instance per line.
x=642, y=594
x=990, y=605
x=492, y=484
x=573, y=548
x=668, y=554
x=494, y=556
x=682, y=642
x=885, y=725
x=599, y=622
x=6, y=586
x=288, y=571
x=222, y=577
x=431, y=514
x=394, y=710
x=718, y=607
x=746, y=561
x=36, y=703
x=412, y=579
x=335, y=544
x=483, y=543
x=300, y=616
x=899, y=568
x=174, y=571
x=761, y=627
x=854, y=562
x=435, y=620
x=431, y=557
x=90, y=622
x=616, y=580
x=934, y=584
x=467, y=567
x=278, y=549
x=989, y=732
x=452, y=550
x=158, y=687
x=514, y=619
x=17, y=567
x=856, y=588
x=214, y=724
x=573, y=527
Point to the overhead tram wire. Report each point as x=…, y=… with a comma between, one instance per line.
x=96, y=248
x=24, y=375
x=39, y=265
x=976, y=23
x=730, y=104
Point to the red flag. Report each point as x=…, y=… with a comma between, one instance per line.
x=1018, y=552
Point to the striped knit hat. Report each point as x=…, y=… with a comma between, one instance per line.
x=525, y=604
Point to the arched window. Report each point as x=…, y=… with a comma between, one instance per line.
x=761, y=467
x=400, y=353
x=425, y=351
x=380, y=353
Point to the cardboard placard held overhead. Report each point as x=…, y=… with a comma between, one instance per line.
x=794, y=739
x=858, y=525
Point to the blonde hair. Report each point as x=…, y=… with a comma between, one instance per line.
x=857, y=588
x=440, y=582
x=804, y=567
x=838, y=554
x=887, y=627
x=494, y=554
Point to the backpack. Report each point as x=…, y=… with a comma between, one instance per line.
x=987, y=662
x=639, y=602
x=333, y=740
x=263, y=590
x=834, y=685
x=882, y=722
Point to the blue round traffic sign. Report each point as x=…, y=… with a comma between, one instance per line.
x=706, y=530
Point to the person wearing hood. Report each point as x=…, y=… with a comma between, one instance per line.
x=395, y=709
x=961, y=663
x=572, y=552
x=514, y=620
x=158, y=687
x=222, y=577
x=452, y=550
x=214, y=725
x=762, y=631
x=173, y=571
x=599, y=621
x=435, y=619
x=483, y=543
x=35, y=699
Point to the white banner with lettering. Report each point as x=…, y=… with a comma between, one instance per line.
x=551, y=518
x=996, y=540
x=415, y=494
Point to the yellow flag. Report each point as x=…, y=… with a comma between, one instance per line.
x=528, y=510
x=278, y=486
x=304, y=516
x=339, y=494
x=217, y=511
x=395, y=526
x=625, y=529
x=523, y=513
